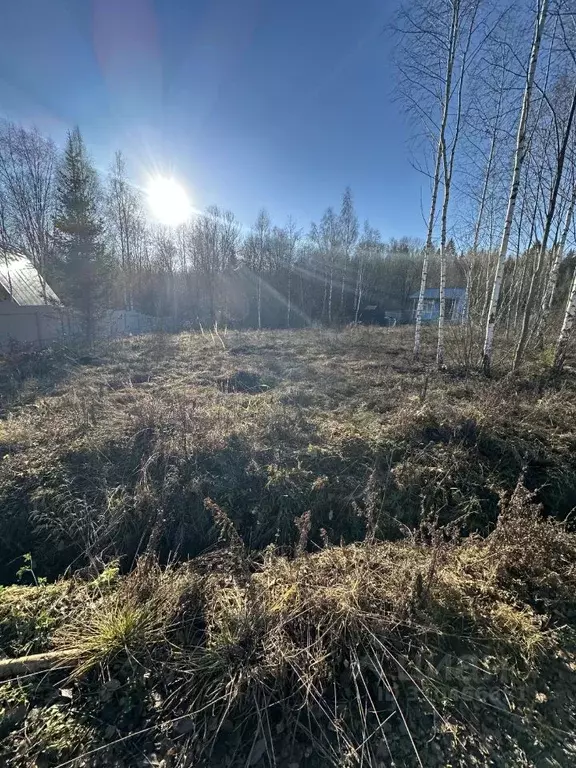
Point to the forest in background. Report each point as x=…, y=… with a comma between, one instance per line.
x=306, y=548
x=211, y=269
x=490, y=97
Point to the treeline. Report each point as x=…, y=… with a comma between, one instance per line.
x=95, y=241
x=490, y=92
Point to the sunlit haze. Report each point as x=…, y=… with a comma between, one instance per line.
x=244, y=100
x=168, y=201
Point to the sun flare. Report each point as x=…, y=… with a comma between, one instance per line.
x=168, y=201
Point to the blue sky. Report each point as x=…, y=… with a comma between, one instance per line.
x=249, y=103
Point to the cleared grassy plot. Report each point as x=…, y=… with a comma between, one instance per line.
x=285, y=548
x=113, y=455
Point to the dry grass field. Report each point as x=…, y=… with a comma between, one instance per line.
x=285, y=548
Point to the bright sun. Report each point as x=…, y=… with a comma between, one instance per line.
x=168, y=201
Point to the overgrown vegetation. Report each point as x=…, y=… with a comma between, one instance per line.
x=452, y=654
x=117, y=460
x=383, y=568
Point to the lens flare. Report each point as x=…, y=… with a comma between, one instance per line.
x=168, y=201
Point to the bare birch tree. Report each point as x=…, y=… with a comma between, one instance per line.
x=519, y=155
x=369, y=246
x=124, y=212
x=424, y=27
x=27, y=172
x=537, y=274
x=561, y=240
x=293, y=235
x=467, y=24
x=348, y=223
x=257, y=255
x=566, y=329
x=329, y=242
x=558, y=128
x=436, y=38
x=558, y=255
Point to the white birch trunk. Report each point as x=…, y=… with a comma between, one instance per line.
x=536, y=277
x=289, y=302
x=548, y=297
x=330, y=291
x=343, y=285
x=448, y=171
x=519, y=155
x=567, y=326
x=514, y=302
x=420, y=304
x=440, y=152
x=324, y=294
x=486, y=303
x=359, y=291
x=442, y=314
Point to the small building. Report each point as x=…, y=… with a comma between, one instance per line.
x=22, y=284
x=30, y=312
x=455, y=304
x=373, y=314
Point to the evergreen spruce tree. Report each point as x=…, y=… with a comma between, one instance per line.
x=86, y=267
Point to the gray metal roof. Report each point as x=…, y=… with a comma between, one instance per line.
x=434, y=293
x=22, y=281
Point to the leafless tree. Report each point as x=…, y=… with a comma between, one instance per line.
x=558, y=255
x=426, y=85
x=348, y=223
x=467, y=29
x=284, y=246
x=369, y=248
x=257, y=254
x=519, y=156
x=124, y=216
x=541, y=261
x=437, y=44
x=27, y=168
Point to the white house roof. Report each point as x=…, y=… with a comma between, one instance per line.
x=22, y=281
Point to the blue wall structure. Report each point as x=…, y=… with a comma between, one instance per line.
x=455, y=304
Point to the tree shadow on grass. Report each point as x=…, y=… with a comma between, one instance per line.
x=27, y=374
x=145, y=490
